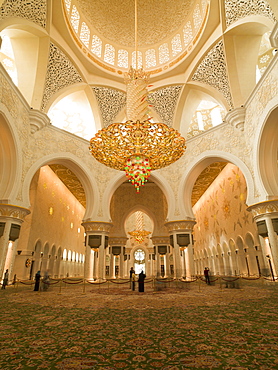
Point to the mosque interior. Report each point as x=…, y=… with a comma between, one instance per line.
x=70, y=69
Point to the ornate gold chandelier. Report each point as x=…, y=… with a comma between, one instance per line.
x=139, y=235
x=137, y=146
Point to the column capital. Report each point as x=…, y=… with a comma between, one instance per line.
x=263, y=209
x=160, y=240
x=118, y=240
x=236, y=117
x=97, y=227
x=16, y=213
x=180, y=226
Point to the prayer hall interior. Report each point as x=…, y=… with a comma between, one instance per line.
x=75, y=71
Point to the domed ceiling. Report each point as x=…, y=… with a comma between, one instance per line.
x=157, y=19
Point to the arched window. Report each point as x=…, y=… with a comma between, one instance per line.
x=187, y=33
x=75, y=18
x=150, y=58
x=85, y=34
x=7, y=58
x=204, y=6
x=69, y=255
x=207, y=115
x=216, y=117
x=163, y=53
x=68, y=4
x=139, y=261
x=96, y=46
x=176, y=45
x=139, y=59
x=123, y=58
x=197, y=18
x=109, y=54
x=73, y=113
x=200, y=120
x=65, y=255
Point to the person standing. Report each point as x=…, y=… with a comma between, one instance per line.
x=206, y=273
x=45, y=281
x=131, y=272
x=6, y=279
x=141, y=283
x=37, y=281
x=133, y=280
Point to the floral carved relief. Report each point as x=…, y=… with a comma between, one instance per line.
x=164, y=102
x=213, y=71
x=110, y=102
x=235, y=10
x=35, y=10
x=60, y=73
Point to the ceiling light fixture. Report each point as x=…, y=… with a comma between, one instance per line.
x=139, y=145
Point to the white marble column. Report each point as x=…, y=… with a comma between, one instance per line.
x=99, y=230
x=10, y=215
x=177, y=229
x=267, y=211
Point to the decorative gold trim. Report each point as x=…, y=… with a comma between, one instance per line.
x=98, y=226
x=263, y=208
x=183, y=225
x=114, y=240
x=13, y=211
x=160, y=240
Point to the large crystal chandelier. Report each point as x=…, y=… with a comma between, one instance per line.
x=139, y=145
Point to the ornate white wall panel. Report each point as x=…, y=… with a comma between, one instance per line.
x=110, y=102
x=35, y=10
x=213, y=71
x=235, y=10
x=60, y=73
x=164, y=102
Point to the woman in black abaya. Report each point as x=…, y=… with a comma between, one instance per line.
x=141, y=279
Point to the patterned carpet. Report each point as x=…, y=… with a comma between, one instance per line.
x=197, y=327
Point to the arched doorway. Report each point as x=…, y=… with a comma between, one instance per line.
x=139, y=261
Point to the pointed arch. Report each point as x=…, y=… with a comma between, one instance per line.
x=78, y=168
x=198, y=165
x=10, y=159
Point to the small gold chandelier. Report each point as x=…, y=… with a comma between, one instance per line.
x=139, y=235
x=137, y=146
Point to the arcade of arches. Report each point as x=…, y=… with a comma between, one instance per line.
x=214, y=77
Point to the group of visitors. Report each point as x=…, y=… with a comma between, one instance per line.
x=132, y=276
x=141, y=280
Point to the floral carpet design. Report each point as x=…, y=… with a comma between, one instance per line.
x=200, y=327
